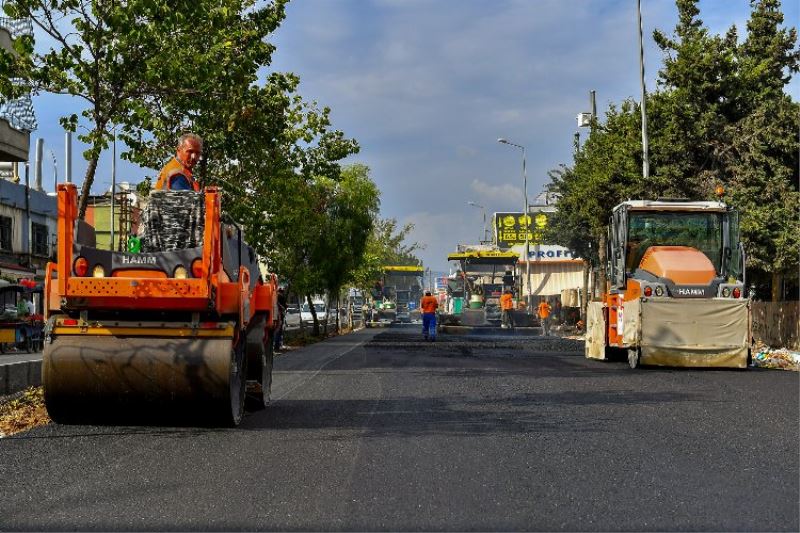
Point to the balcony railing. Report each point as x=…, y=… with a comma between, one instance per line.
x=19, y=114
x=17, y=27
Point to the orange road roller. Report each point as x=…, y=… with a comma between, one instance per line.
x=179, y=331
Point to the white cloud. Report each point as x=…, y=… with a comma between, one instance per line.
x=504, y=194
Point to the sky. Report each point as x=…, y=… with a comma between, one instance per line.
x=428, y=86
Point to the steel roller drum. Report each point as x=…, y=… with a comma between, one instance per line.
x=143, y=379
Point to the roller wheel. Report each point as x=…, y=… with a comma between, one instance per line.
x=260, y=358
x=633, y=358
x=238, y=386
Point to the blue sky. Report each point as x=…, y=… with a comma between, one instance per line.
x=427, y=87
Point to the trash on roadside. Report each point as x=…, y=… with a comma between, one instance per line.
x=780, y=358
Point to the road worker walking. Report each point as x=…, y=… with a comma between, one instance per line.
x=428, y=305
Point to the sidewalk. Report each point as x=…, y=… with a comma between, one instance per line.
x=18, y=371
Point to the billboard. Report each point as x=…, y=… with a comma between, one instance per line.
x=510, y=228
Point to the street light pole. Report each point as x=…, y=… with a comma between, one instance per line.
x=473, y=204
x=113, y=182
x=526, y=218
x=55, y=171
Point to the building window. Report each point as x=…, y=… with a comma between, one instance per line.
x=5, y=233
x=40, y=239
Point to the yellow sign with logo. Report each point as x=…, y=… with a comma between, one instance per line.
x=511, y=228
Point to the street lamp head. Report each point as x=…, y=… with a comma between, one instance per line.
x=502, y=140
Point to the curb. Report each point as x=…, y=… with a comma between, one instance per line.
x=16, y=377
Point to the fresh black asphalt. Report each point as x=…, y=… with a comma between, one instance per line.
x=379, y=431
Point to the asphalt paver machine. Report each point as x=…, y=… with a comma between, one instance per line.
x=481, y=278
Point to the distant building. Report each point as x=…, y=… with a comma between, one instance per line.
x=16, y=116
x=28, y=230
x=28, y=216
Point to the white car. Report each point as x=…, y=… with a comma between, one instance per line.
x=320, y=308
x=292, y=317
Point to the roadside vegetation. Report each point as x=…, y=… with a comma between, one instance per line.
x=23, y=411
x=720, y=116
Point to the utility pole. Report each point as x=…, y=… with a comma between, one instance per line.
x=645, y=151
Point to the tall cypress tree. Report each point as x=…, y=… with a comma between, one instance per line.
x=762, y=146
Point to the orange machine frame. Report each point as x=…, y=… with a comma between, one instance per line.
x=132, y=289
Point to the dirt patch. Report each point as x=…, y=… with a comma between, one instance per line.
x=23, y=411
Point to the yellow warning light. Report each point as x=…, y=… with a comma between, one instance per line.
x=720, y=191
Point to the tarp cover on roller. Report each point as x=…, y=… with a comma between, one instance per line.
x=694, y=332
x=595, y=331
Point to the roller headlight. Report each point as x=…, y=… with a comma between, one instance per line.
x=180, y=273
x=98, y=271
x=726, y=292
x=659, y=291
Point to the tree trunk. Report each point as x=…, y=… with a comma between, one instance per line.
x=313, y=310
x=86, y=188
x=337, y=316
x=602, y=259
x=777, y=286
x=587, y=268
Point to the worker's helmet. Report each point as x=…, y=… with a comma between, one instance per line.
x=427, y=293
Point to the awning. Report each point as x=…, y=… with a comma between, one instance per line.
x=550, y=278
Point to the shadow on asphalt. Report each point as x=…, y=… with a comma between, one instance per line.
x=453, y=415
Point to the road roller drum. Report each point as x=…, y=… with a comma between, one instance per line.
x=95, y=378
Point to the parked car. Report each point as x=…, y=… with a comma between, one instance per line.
x=321, y=310
x=292, y=317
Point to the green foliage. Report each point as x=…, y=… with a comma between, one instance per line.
x=127, y=59
x=719, y=117
x=386, y=245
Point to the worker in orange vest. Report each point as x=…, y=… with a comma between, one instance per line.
x=177, y=173
x=544, y=316
x=507, y=306
x=428, y=305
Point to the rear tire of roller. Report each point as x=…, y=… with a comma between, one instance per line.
x=237, y=386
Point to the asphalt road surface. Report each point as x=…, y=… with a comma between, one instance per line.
x=379, y=431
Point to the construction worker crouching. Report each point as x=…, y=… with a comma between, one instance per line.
x=177, y=173
x=428, y=305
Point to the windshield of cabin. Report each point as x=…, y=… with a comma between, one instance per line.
x=702, y=231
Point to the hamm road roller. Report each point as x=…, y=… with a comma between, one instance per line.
x=179, y=328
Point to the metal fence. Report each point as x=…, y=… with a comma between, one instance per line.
x=777, y=324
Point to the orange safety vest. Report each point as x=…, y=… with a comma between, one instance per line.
x=172, y=168
x=544, y=310
x=429, y=304
x=507, y=302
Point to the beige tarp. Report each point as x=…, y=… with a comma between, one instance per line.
x=569, y=298
x=631, y=323
x=549, y=278
x=595, y=331
x=694, y=332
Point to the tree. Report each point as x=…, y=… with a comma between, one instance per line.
x=692, y=106
x=125, y=58
x=606, y=171
x=352, y=207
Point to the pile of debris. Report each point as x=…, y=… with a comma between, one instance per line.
x=780, y=358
